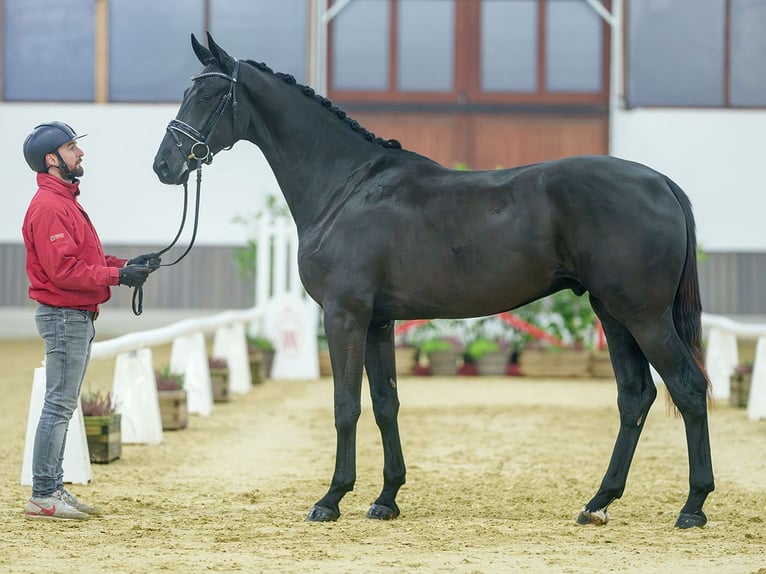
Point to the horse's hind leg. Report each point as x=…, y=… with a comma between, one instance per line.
x=635, y=394
x=687, y=384
x=381, y=372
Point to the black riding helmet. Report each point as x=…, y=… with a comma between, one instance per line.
x=44, y=139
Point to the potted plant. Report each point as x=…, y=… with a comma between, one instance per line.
x=571, y=320
x=103, y=428
x=172, y=399
x=442, y=356
x=488, y=356
x=261, y=352
x=219, y=378
x=739, y=385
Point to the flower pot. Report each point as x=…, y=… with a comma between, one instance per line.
x=173, y=410
x=255, y=370
x=219, y=381
x=325, y=366
x=406, y=360
x=104, y=436
x=443, y=363
x=492, y=364
x=555, y=363
x=739, y=389
x=601, y=365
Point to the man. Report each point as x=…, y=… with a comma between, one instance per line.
x=69, y=276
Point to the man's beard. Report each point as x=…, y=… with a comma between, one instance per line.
x=77, y=171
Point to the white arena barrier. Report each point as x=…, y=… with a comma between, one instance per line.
x=134, y=393
x=76, y=456
x=722, y=357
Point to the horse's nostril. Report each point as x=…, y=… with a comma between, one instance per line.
x=161, y=168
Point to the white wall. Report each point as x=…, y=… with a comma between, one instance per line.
x=119, y=190
x=717, y=156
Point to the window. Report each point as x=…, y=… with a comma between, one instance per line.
x=708, y=53
x=48, y=52
x=156, y=64
x=468, y=51
x=275, y=33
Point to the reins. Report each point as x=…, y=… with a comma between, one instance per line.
x=137, y=303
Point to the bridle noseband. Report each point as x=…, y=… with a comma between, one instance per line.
x=200, y=149
x=199, y=153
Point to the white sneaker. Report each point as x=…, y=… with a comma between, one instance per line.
x=53, y=507
x=72, y=501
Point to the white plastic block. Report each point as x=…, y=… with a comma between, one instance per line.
x=188, y=356
x=135, y=393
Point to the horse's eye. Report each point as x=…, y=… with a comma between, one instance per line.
x=204, y=97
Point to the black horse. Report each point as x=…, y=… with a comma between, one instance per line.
x=387, y=234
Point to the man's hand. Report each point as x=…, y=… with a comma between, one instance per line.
x=151, y=260
x=134, y=275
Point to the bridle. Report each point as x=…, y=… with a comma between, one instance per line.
x=200, y=154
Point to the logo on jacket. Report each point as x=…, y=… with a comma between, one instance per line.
x=57, y=236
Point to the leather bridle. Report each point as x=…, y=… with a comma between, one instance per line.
x=199, y=152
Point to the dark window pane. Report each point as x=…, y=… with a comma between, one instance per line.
x=748, y=53
x=675, y=52
x=48, y=50
x=573, y=47
x=509, y=45
x=426, y=45
x=263, y=30
x=360, y=46
x=151, y=59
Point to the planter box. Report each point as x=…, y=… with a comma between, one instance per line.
x=739, y=390
x=104, y=435
x=559, y=363
x=173, y=409
x=492, y=364
x=219, y=380
x=443, y=363
x=601, y=365
x=255, y=370
x=325, y=367
x=406, y=360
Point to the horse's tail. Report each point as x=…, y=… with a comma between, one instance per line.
x=687, y=306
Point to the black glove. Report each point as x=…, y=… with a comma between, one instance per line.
x=151, y=260
x=134, y=275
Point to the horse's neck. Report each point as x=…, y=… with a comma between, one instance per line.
x=311, y=152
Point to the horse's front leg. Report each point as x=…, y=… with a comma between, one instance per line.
x=381, y=371
x=345, y=331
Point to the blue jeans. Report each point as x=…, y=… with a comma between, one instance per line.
x=67, y=334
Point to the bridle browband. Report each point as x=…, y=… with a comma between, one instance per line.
x=201, y=139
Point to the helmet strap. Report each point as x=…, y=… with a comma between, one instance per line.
x=63, y=168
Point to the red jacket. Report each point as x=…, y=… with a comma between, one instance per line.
x=66, y=264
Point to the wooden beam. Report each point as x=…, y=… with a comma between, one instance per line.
x=101, y=52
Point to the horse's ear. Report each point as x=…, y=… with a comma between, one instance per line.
x=203, y=54
x=224, y=60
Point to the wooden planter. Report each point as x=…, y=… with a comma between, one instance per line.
x=443, y=363
x=173, y=409
x=255, y=369
x=406, y=360
x=104, y=435
x=739, y=389
x=558, y=363
x=325, y=366
x=601, y=365
x=492, y=364
x=219, y=380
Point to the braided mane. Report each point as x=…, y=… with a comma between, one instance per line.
x=327, y=104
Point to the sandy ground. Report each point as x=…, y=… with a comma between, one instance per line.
x=497, y=471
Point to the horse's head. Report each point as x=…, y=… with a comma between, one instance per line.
x=206, y=120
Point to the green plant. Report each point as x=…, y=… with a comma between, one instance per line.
x=259, y=343
x=246, y=258
x=167, y=380
x=564, y=315
x=95, y=404
x=480, y=347
x=434, y=345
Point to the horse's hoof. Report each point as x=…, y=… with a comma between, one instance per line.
x=380, y=512
x=685, y=521
x=321, y=514
x=597, y=518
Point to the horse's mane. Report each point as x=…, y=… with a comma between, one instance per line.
x=308, y=91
